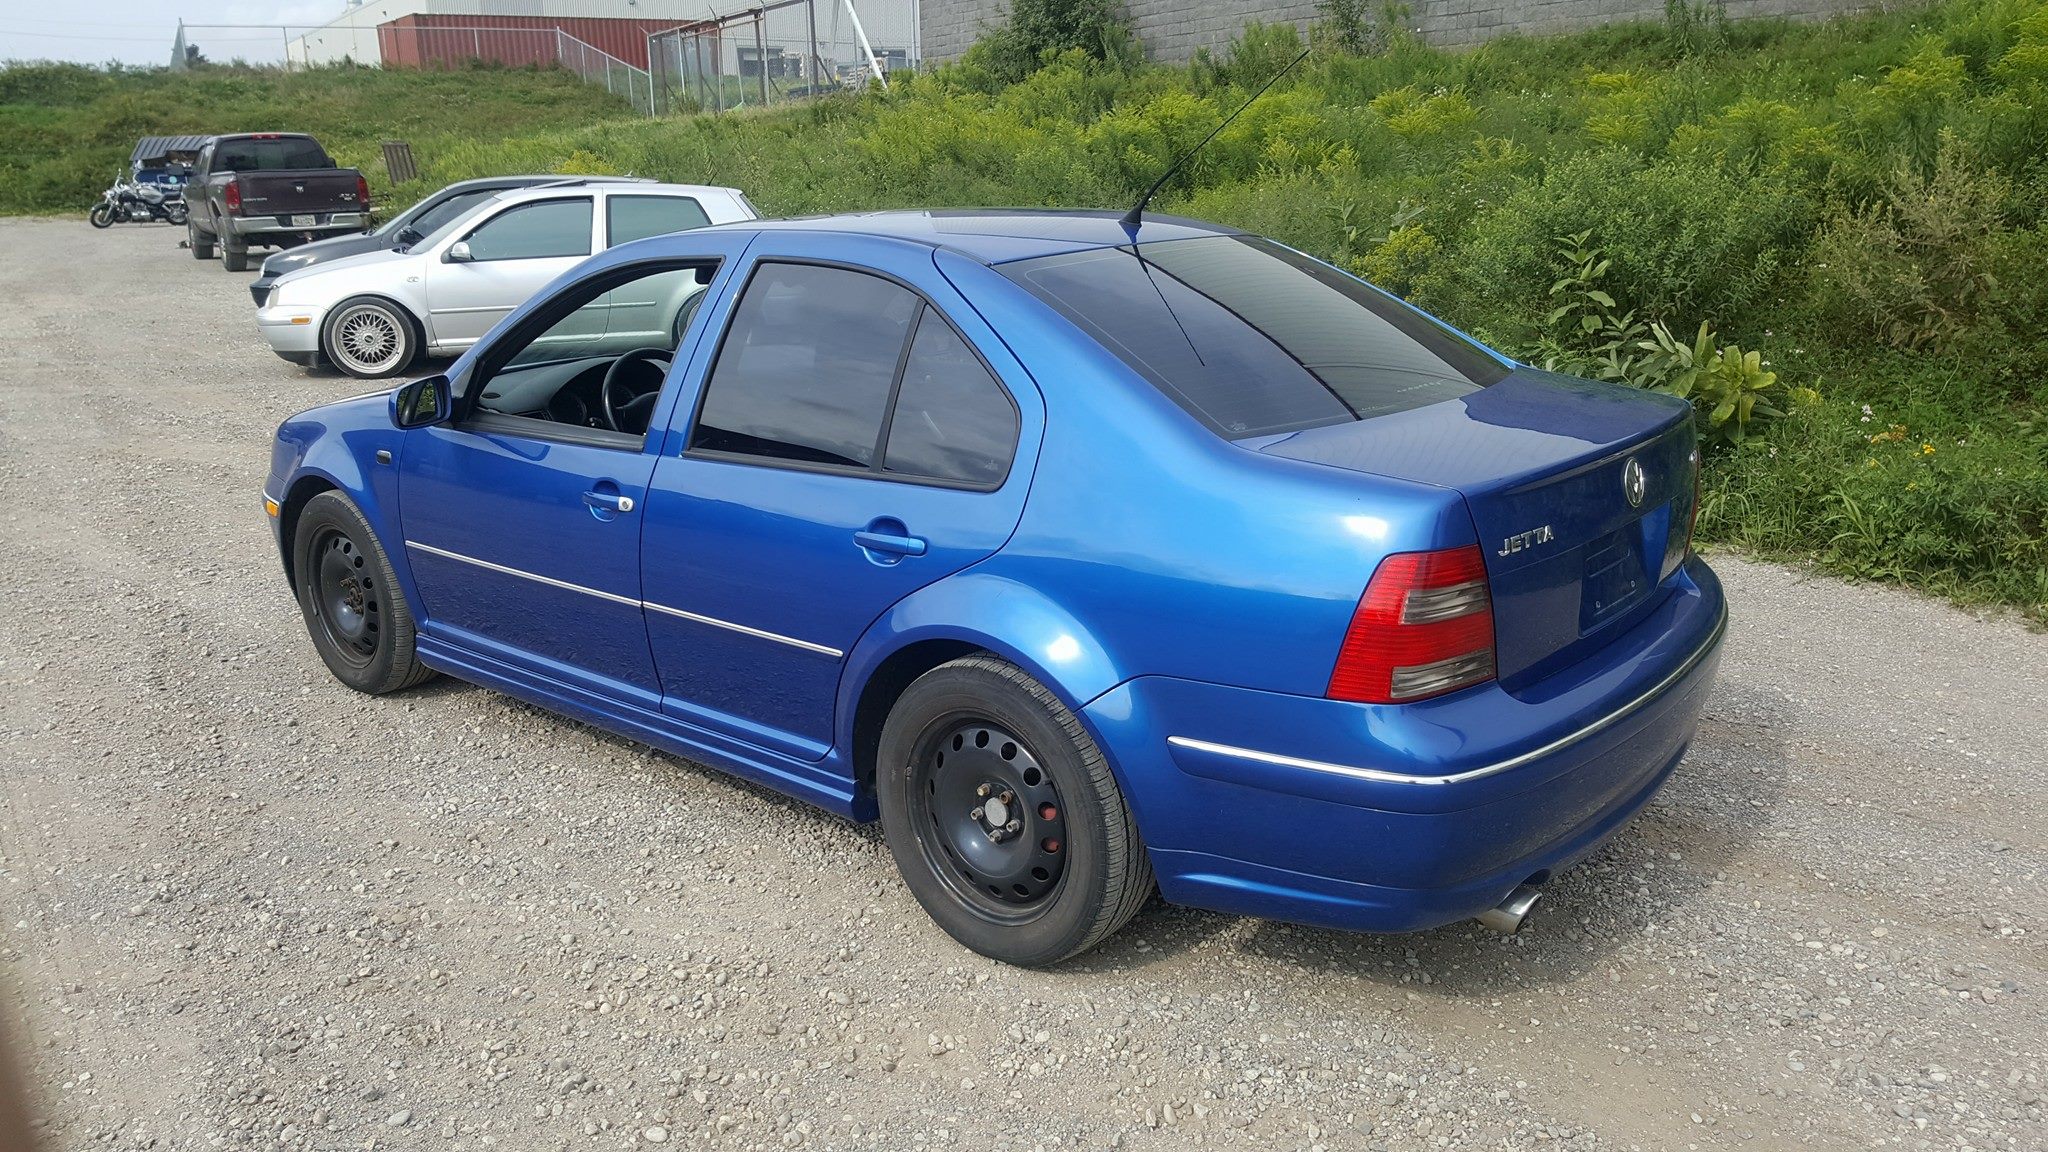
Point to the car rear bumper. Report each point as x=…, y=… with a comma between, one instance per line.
x=278, y=230
x=1400, y=818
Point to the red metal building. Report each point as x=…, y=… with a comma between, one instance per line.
x=439, y=41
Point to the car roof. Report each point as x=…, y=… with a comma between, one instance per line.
x=609, y=185
x=537, y=179
x=998, y=235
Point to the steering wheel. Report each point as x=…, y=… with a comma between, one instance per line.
x=622, y=405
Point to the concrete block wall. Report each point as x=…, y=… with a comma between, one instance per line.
x=1173, y=29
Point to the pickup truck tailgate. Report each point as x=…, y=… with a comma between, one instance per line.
x=312, y=190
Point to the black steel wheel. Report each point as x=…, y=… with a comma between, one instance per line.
x=346, y=596
x=1004, y=817
x=349, y=596
x=997, y=826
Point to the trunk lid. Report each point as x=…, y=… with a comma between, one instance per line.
x=300, y=192
x=1543, y=462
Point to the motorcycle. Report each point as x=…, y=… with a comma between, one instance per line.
x=137, y=203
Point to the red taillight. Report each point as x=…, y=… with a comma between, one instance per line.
x=1423, y=628
x=231, y=195
x=363, y=192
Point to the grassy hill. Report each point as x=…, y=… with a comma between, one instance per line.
x=1853, y=210
x=66, y=129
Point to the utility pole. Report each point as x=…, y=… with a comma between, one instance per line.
x=761, y=51
x=861, y=34
x=811, y=62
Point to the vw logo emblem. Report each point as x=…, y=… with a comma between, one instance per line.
x=1632, y=482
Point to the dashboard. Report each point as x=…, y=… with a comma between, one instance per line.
x=571, y=391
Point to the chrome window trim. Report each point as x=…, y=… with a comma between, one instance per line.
x=758, y=633
x=1383, y=776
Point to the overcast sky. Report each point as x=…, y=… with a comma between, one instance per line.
x=141, y=31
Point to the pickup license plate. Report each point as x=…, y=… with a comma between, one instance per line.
x=302, y=221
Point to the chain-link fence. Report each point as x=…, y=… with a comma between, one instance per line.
x=404, y=46
x=778, y=52
x=259, y=44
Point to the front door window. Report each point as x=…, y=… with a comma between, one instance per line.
x=543, y=229
x=599, y=366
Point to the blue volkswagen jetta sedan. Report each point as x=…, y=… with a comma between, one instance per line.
x=1088, y=561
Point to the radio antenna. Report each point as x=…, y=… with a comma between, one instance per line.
x=1136, y=215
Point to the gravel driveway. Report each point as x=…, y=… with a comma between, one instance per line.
x=244, y=906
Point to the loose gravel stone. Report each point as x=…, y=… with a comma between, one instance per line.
x=247, y=908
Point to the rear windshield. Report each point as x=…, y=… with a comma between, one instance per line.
x=272, y=155
x=1252, y=338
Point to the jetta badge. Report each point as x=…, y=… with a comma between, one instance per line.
x=1524, y=540
x=1632, y=482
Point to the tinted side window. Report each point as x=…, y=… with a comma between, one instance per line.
x=532, y=231
x=638, y=217
x=807, y=366
x=952, y=420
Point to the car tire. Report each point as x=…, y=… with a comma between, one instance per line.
x=1066, y=874
x=200, y=242
x=349, y=596
x=369, y=338
x=234, y=259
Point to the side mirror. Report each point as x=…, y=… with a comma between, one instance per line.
x=423, y=402
x=410, y=236
x=458, y=253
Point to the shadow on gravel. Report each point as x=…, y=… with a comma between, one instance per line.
x=1715, y=809
x=424, y=366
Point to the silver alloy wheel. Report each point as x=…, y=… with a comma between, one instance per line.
x=366, y=339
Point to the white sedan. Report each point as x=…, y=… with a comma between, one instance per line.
x=372, y=315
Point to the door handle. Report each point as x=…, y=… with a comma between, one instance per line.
x=608, y=501
x=890, y=543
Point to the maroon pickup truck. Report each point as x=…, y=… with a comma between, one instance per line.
x=269, y=190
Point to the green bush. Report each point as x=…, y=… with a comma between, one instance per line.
x=2005, y=344
x=1256, y=56
x=1909, y=269
x=1959, y=510
x=1040, y=29
x=1687, y=240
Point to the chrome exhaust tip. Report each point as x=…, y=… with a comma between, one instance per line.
x=1507, y=916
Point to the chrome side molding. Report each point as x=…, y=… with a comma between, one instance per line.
x=1383, y=776
x=645, y=605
